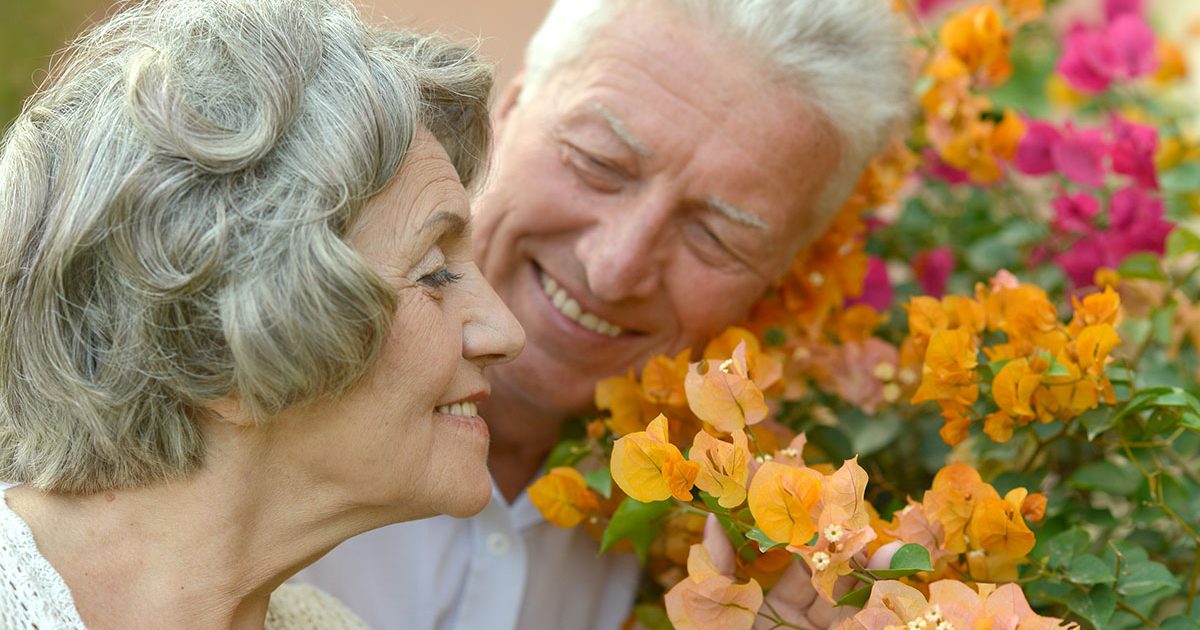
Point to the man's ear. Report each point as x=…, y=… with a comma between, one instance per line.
x=508, y=100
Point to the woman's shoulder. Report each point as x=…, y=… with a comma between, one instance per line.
x=34, y=595
x=305, y=607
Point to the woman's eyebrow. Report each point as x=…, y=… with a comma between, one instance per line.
x=454, y=221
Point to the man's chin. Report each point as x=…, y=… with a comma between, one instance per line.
x=551, y=387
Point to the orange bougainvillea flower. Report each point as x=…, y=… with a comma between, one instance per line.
x=949, y=372
x=997, y=526
x=722, y=394
x=894, y=605
x=978, y=39
x=1092, y=347
x=709, y=600
x=781, y=500
x=621, y=396
x=763, y=368
x=951, y=501
x=831, y=557
x=648, y=468
x=563, y=497
x=662, y=379
x=843, y=502
x=1014, y=386
x=724, y=467
x=1097, y=308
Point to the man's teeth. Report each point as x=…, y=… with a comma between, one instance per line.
x=573, y=311
x=459, y=409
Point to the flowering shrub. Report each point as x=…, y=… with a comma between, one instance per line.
x=988, y=365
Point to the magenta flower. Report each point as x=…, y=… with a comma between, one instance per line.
x=1034, y=152
x=1074, y=214
x=1133, y=151
x=937, y=169
x=1114, y=9
x=1136, y=221
x=1085, y=256
x=933, y=269
x=877, y=288
x=1079, y=156
x=1093, y=59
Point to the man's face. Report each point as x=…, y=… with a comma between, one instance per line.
x=642, y=200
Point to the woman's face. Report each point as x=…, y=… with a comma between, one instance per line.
x=407, y=436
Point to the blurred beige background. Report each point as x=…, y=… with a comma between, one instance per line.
x=30, y=30
x=503, y=27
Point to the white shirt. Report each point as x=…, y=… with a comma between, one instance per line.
x=504, y=569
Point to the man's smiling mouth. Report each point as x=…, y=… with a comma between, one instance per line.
x=572, y=311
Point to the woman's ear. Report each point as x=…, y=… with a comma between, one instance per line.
x=508, y=100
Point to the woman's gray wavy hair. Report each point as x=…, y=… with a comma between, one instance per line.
x=845, y=58
x=173, y=212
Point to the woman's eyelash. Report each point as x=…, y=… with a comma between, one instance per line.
x=440, y=278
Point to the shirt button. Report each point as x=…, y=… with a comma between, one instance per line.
x=497, y=544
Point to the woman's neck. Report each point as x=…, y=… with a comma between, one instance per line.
x=204, y=552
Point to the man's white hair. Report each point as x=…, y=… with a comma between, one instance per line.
x=845, y=59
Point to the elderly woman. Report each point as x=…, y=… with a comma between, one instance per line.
x=240, y=319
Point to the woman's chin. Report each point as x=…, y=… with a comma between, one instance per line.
x=469, y=496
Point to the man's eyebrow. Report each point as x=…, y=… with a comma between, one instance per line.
x=621, y=130
x=455, y=222
x=736, y=214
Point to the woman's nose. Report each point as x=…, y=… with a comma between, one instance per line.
x=491, y=334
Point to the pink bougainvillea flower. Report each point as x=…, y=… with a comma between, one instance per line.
x=1085, y=256
x=1079, y=155
x=937, y=169
x=1034, y=153
x=1114, y=9
x=1093, y=60
x=933, y=268
x=1133, y=150
x=1074, y=214
x=877, y=288
x=1136, y=222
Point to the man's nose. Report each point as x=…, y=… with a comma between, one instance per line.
x=623, y=253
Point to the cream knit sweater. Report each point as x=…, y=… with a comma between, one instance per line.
x=34, y=596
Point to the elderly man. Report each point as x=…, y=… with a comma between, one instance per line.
x=657, y=164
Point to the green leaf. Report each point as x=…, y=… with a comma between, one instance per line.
x=1089, y=570
x=1057, y=369
x=909, y=559
x=1097, y=421
x=1145, y=577
x=639, y=522
x=1178, y=623
x=566, y=453
x=833, y=442
x=764, y=541
x=1183, y=178
x=652, y=617
x=1145, y=266
x=1097, y=605
x=600, y=480
x=1182, y=241
x=1107, y=477
x=856, y=598
x=1061, y=548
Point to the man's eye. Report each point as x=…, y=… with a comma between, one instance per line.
x=440, y=278
x=594, y=171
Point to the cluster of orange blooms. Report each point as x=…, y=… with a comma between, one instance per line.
x=734, y=461
x=1044, y=369
x=972, y=54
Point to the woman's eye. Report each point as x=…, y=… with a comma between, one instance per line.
x=440, y=278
